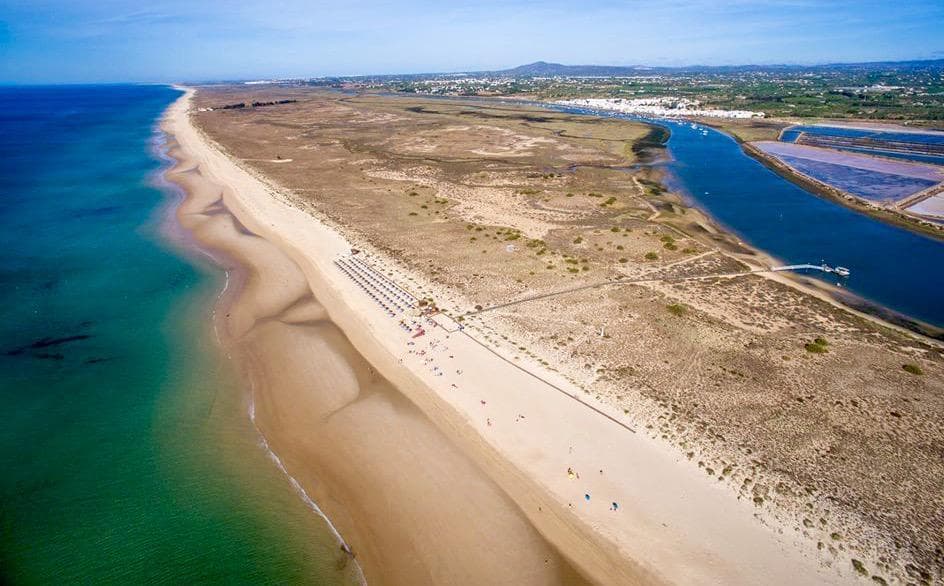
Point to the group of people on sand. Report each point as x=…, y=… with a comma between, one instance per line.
x=433, y=346
x=574, y=475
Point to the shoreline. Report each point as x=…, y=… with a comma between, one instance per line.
x=234, y=278
x=235, y=275
x=181, y=233
x=671, y=537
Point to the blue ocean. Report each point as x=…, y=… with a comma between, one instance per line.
x=126, y=449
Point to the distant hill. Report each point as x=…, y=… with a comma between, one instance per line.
x=545, y=69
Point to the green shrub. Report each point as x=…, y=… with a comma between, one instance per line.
x=677, y=309
x=652, y=256
x=912, y=369
x=815, y=347
x=859, y=567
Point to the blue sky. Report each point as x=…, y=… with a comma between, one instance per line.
x=192, y=40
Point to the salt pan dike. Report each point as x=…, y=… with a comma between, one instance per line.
x=884, y=140
x=878, y=180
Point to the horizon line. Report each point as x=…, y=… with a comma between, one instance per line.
x=6, y=83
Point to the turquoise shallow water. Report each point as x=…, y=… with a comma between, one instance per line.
x=126, y=451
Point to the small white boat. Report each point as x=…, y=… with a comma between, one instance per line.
x=842, y=271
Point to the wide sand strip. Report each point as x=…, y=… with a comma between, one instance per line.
x=622, y=508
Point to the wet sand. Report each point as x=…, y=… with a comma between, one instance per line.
x=414, y=509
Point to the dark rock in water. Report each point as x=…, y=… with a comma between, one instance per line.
x=47, y=342
x=96, y=360
x=49, y=356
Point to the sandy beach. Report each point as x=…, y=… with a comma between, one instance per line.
x=438, y=459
